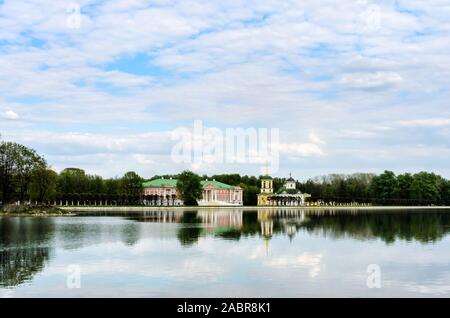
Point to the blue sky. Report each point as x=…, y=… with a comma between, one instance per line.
x=355, y=86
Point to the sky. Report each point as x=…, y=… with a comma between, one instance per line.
x=352, y=86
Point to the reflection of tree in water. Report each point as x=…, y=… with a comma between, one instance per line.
x=79, y=232
x=23, y=248
x=422, y=227
x=429, y=226
x=190, y=229
x=130, y=233
x=21, y=264
x=229, y=234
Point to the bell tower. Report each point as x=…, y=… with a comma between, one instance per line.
x=267, y=182
x=266, y=189
x=266, y=185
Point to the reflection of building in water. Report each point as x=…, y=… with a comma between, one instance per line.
x=164, y=192
x=288, y=221
x=291, y=230
x=266, y=226
x=231, y=218
x=289, y=195
x=297, y=215
x=163, y=216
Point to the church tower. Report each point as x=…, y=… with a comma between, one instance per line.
x=290, y=183
x=266, y=184
x=266, y=188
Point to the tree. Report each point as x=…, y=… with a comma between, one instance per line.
x=231, y=179
x=73, y=180
x=426, y=186
x=17, y=165
x=384, y=186
x=95, y=184
x=131, y=186
x=112, y=186
x=28, y=162
x=43, y=184
x=7, y=163
x=404, y=185
x=189, y=187
x=250, y=194
x=445, y=192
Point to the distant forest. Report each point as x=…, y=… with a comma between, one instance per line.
x=26, y=177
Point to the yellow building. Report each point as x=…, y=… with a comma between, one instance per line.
x=288, y=195
x=266, y=190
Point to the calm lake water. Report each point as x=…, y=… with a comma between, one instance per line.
x=227, y=253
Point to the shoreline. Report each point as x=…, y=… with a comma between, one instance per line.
x=33, y=214
x=245, y=208
x=13, y=210
x=79, y=210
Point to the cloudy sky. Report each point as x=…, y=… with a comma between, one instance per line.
x=352, y=86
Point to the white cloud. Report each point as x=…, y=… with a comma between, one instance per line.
x=432, y=289
x=299, y=66
x=9, y=114
x=371, y=80
x=431, y=122
x=310, y=261
x=301, y=149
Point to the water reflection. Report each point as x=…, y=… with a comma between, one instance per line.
x=426, y=227
x=191, y=230
x=28, y=245
x=24, y=248
x=389, y=226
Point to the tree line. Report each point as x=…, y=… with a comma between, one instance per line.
x=25, y=176
x=422, y=188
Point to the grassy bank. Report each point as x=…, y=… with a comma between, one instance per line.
x=27, y=210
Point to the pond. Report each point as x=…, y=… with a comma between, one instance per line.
x=228, y=252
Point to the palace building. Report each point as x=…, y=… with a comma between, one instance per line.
x=164, y=192
x=288, y=195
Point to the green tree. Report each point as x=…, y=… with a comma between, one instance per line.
x=43, y=185
x=384, y=186
x=231, y=179
x=445, y=192
x=189, y=187
x=17, y=165
x=250, y=194
x=7, y=168
x=404, y=185
x=112, y=186
x=72, y=180
x=131, y=186
x=95, y=184
x=426, y=186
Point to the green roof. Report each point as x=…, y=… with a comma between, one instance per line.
x=217, y=184
x=289, y=191
x=158, y=183
x=266, y=177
